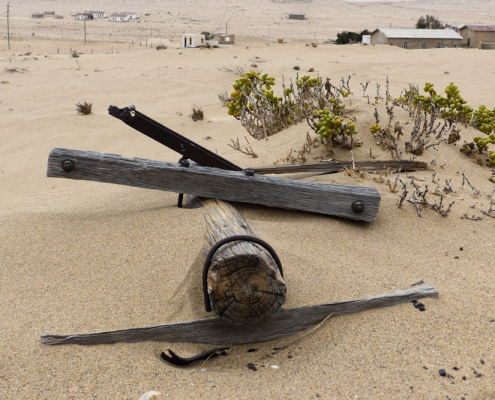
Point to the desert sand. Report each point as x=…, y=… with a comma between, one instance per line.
x=80, y=256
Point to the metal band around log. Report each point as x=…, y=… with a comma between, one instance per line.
x=222, y=242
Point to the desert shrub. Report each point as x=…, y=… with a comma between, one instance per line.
x=197, y=113
x=332, y=127
x=84, y=108
x=262, y=113
x=74, y=54
x=347, y=37
x=161, y=47
x=208, y=35
x=454, y=109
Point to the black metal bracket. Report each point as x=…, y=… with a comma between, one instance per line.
x=166, y=136
x=222, y=242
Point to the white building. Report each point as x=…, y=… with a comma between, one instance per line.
x=366, y=39
x=84, y=16
x=119, y=17
x=132, y=15
x=192, y=40
x=97, y=14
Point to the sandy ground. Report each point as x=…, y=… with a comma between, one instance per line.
x=80, y=256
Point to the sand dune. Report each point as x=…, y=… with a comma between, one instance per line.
x=81, y=256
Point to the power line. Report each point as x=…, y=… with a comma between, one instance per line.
x=8, y=30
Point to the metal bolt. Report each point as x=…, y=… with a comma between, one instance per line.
x=185, y=163
x=249, y=172
x=182, y=147
x=358, y=207
x=68, y=165
x=132, y=108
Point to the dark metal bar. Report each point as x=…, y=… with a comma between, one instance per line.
x=166, y=136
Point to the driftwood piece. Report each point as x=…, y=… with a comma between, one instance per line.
x=245, y=285
x=331, y=167
x=215, y=331
x=216, y=183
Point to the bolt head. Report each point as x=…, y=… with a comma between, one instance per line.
x=249, y=172
x=358, y=207
x=185, y=163
x=68, y=165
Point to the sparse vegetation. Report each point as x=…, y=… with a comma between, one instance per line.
x=197, y=113
x=161, y=47
x=429, y=22
x=84, y=108
x=263, y=113
x=351, y=37
x=74, y=54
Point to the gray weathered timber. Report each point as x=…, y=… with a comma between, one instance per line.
x=331, y=167
x=217, y=183
x=244, y=283
x=215, y=331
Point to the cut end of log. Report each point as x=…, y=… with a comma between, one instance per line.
x=245, y=289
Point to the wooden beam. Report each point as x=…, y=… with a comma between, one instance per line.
x=332, y=167
x=215, y=331
x=245, y=285
x=216, y=183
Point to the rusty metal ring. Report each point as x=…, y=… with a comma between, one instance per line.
x=229, y=239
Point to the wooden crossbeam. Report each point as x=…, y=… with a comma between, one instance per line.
x=216, y=183
x=216, y=331
x=331, y=167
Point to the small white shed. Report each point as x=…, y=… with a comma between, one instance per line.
x=192, y=40
x=118, y=17
x=366, y=39
x=131, y=15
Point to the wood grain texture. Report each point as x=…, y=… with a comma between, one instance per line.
x=244, y=283
x=215, y=331
x=331, y=167
x=216, y=183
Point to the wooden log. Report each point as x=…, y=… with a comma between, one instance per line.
x=331, y=167
x=216, y=183
x=244, y=283
x=215, y=331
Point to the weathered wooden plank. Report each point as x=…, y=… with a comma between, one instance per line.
x=244, y=283
x=215, y=331
x=216, y=183
x=331, y=167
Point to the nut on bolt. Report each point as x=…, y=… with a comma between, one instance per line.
x=68, y=165
x=358, y=207
x=185, y=163
x=249, y=172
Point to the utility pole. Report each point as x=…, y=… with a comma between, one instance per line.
x=226, y=29
x=8, y=31
x=84, y=30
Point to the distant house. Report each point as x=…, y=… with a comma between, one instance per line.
x=84, y=16
x=417, y=38
x=97, y=14
x=297, y=16
x=478, y=35
x=132, y=15
x=192, y=40
x=36, y=15
x=225, y=39
x=119, y=17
